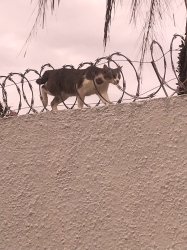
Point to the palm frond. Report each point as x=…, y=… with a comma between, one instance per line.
x=40, y=20
x=42, y=9
x=134, y=9
x=182, y=66
x=1, y=108
x=154, y=11
x=110, y=6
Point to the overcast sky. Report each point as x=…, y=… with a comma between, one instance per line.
x=74, y=34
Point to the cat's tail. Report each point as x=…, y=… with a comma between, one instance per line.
x=44, y=78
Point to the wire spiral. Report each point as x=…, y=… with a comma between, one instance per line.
x=27, y=95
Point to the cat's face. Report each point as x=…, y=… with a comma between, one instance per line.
x=112, y=75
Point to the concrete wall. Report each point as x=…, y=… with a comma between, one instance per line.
x=111, y=178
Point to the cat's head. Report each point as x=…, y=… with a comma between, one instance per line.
x=112, y=75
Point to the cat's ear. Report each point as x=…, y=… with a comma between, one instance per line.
x=105, y=66
x=120, y=67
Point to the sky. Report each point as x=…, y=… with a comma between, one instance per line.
x=74, y=34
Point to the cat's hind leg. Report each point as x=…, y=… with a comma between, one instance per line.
x=44, y=97
x=80, y=101
x=57, y=100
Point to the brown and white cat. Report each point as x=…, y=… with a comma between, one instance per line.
x=63, y=83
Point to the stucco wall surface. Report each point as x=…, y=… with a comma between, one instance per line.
x=110, y=178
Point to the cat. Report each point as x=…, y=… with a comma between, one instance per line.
x=63, y=83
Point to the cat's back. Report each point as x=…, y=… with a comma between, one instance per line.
x=65, y=80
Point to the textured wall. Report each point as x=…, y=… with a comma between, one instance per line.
x=111, y=178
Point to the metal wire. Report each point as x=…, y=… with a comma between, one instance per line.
x=21, y=81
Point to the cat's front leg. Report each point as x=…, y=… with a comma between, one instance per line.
x=80, y=101
x=103, y=96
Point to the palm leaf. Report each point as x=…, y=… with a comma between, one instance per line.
x=154, y=14
x=42, y=7
x=155, y=11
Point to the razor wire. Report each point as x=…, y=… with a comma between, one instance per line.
x=21, y=81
